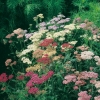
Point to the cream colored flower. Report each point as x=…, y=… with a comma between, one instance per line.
x=61, y=39
x=70, y=26
x=96, y=58
x=26, y=60
x=35, y=40
x=49, y=36
x=32, y=47
x=67, y=31
x=40, y=15
x=72, y=42
x=43, y=31
x=84, y=36
x=87, y=55
x=62, y=33
x=97, y=85
x=56, y=34
x=78, y=27
x=98, y=62
x=24, y=52
x=99, y=90
x=35, y=18
x=36, y=36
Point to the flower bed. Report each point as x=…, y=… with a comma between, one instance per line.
x=61, y=60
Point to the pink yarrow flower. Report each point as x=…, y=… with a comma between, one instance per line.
x=84, y=96
x=21, y=77
x=7, y=62
x=29, y=84
x=69, y=78
x=29, y=74
x=10, y=77
x=33, y=90
x=3, y=77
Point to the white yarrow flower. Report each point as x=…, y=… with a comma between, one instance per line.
x=87, y=55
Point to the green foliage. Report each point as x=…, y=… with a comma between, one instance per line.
x=88, y=9
x=53, y=7
x=33, y=7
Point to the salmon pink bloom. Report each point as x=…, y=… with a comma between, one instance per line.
x=66, y=46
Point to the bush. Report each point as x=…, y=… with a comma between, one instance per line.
x=61, y=60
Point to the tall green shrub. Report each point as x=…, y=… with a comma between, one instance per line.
x=31, y=8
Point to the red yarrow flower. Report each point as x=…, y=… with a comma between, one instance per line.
x=54, y=44
x=46, y=42
x=44, y=60
x=3, y=77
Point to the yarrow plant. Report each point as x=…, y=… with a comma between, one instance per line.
x=60, y=59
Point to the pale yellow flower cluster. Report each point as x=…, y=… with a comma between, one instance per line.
x=72, y=42
x=72, y=26
x=31, y=47
x=36, y=67
x=50, y=51
x=61, y=39
x=38, y=16
x=49, y=35
x=24, y=52
x=59, y=34
x=37, y=35
x=56, y=58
